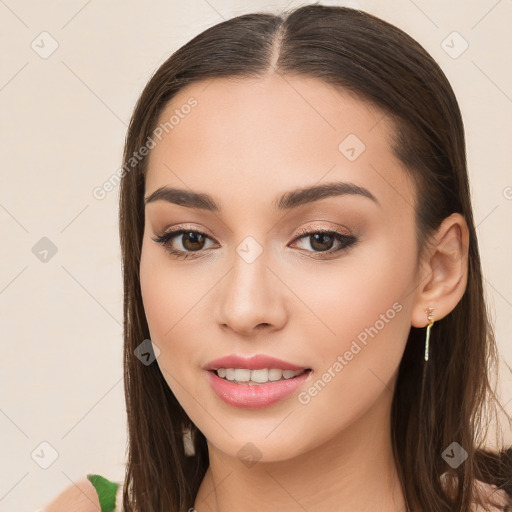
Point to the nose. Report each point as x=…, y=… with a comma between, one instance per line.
x=251, y=298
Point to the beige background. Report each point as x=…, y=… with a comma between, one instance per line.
x=63, y=122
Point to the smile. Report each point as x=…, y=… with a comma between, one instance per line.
x=251, y=394
x=256, y=377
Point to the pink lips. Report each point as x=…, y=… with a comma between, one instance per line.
x=252, y=363
x=255, y=396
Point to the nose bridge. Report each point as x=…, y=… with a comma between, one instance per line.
x=251, y=294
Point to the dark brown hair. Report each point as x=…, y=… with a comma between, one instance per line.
x=435, y=404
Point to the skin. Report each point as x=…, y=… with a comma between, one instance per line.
x=81, y=496
x=245, y=143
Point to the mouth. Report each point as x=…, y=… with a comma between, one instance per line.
x=257, y=377
x=256, y=388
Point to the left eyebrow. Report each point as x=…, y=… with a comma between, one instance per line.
x=292, y=199
x=302, y=196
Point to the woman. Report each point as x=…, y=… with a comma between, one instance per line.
x=300, y=257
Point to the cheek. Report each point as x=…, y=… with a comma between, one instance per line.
x=174, y=301
x=351, y=295
x=153, y=283
x=365, y=323
x=360, y=310
x=167, y=293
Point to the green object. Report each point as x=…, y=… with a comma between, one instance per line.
x=106, y=492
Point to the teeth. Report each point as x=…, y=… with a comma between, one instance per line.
x=259, y=376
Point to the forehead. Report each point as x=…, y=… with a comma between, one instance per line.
x=271, y=134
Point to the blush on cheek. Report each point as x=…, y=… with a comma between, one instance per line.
x=370, y=327
x=173, y=308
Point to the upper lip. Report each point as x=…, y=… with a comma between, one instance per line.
x=255, y=362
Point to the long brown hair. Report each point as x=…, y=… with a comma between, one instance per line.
x=434, y=405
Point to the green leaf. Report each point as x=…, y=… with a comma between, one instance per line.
x=106, y=492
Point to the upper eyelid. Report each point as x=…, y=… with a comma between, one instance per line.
x=348, y=241
x=179, y=230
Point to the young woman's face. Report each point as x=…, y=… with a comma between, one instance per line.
x=259, y=276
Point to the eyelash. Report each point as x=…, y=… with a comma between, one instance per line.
x=348, y=241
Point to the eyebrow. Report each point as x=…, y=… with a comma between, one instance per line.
x=287, y=201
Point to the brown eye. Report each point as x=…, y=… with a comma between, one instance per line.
x=192, y=241
x=322, y=241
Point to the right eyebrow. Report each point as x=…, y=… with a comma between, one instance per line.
x=183, y=197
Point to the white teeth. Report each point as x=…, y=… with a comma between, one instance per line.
x=275, y=374
x=259, y=376
x=242, y=375
x=288, y=374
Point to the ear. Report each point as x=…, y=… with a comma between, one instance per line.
x=443, y=271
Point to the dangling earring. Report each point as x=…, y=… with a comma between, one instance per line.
x=429, y=312
x=188, y=443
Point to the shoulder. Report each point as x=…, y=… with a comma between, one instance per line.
x=496, y=500
x=79, y=497
x=485, y=497
x=88, y=495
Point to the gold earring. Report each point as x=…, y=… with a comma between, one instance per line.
x=429, y=312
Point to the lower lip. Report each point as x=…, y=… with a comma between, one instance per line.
x=257, y=395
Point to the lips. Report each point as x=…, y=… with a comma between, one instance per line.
x=259, y=396
x=256, y=362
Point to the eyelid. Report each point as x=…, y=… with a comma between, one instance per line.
x=326, y=229
x=346, y=238
x=302, y=231
x=185, y=227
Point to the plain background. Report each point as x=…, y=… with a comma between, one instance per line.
x=63, y=122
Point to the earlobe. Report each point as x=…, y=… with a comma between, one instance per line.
x=443, y=271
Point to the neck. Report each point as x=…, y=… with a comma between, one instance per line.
x=355, y=470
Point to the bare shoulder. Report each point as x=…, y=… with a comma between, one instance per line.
x=496, y=500
x=79, y=497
